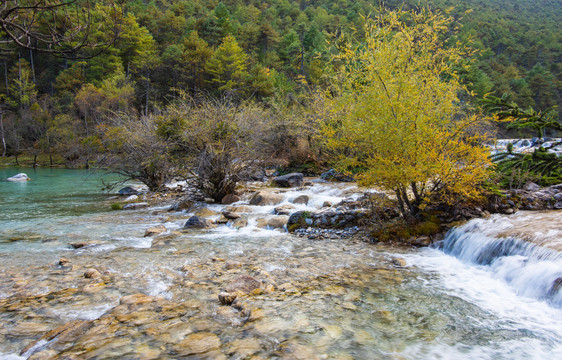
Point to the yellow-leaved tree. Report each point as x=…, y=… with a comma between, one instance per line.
x=393, y=115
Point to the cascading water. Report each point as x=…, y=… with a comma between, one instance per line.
x=332, y=298
x=532, y=270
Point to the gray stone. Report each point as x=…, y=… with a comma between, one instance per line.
x=135, y=206
x=128, y=191
x=333, y=175
x=302, y=199
x=289, y=180
x=195, y=222
x=531, y=186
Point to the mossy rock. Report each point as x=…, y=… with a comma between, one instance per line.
x=298, y=220
x=116, y=206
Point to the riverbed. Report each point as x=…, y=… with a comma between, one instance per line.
x=156, y=296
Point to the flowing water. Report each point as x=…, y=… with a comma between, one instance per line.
x=490, y=290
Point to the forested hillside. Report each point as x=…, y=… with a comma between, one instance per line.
x=273, y=51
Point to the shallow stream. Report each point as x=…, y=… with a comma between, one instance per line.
x=156, y=296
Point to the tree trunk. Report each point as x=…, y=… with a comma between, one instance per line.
x=302, y=53
x=2, y=133
x=32, y=65
x=6, y=74
x=147, y=90
x=19, y=78
x=34, y=161
x=401, y=205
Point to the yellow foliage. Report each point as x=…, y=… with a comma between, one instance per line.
x=393, y=111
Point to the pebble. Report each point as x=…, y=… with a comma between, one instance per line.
x=92, y=274
x=227, y=298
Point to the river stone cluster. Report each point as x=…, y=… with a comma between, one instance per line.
x=531, y=197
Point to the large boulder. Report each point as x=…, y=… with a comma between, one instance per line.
x=132, y=190
x=289, y=180
x=18, y=177
x=299, y=219
x=266, y=198
x=333, y=175
x=196, y=222
x=230, y=199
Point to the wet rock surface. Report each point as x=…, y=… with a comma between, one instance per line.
x=196, y=222
x=289, y=180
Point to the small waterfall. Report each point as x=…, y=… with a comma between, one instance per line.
x=530, y=269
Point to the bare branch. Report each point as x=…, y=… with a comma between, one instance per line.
x=63, y=28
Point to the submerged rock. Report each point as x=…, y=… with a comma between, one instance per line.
x=226, y=298
x=92, y=274
x=155, y=230
x=289, y=180
x=135, y=206
x=198, y=343
x=80, y=244
x=399, y=262
x=136, y=299
x=18, y=177
x=245, y=284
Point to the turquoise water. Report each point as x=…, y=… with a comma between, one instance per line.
x=50, y=193
x=39, y=208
